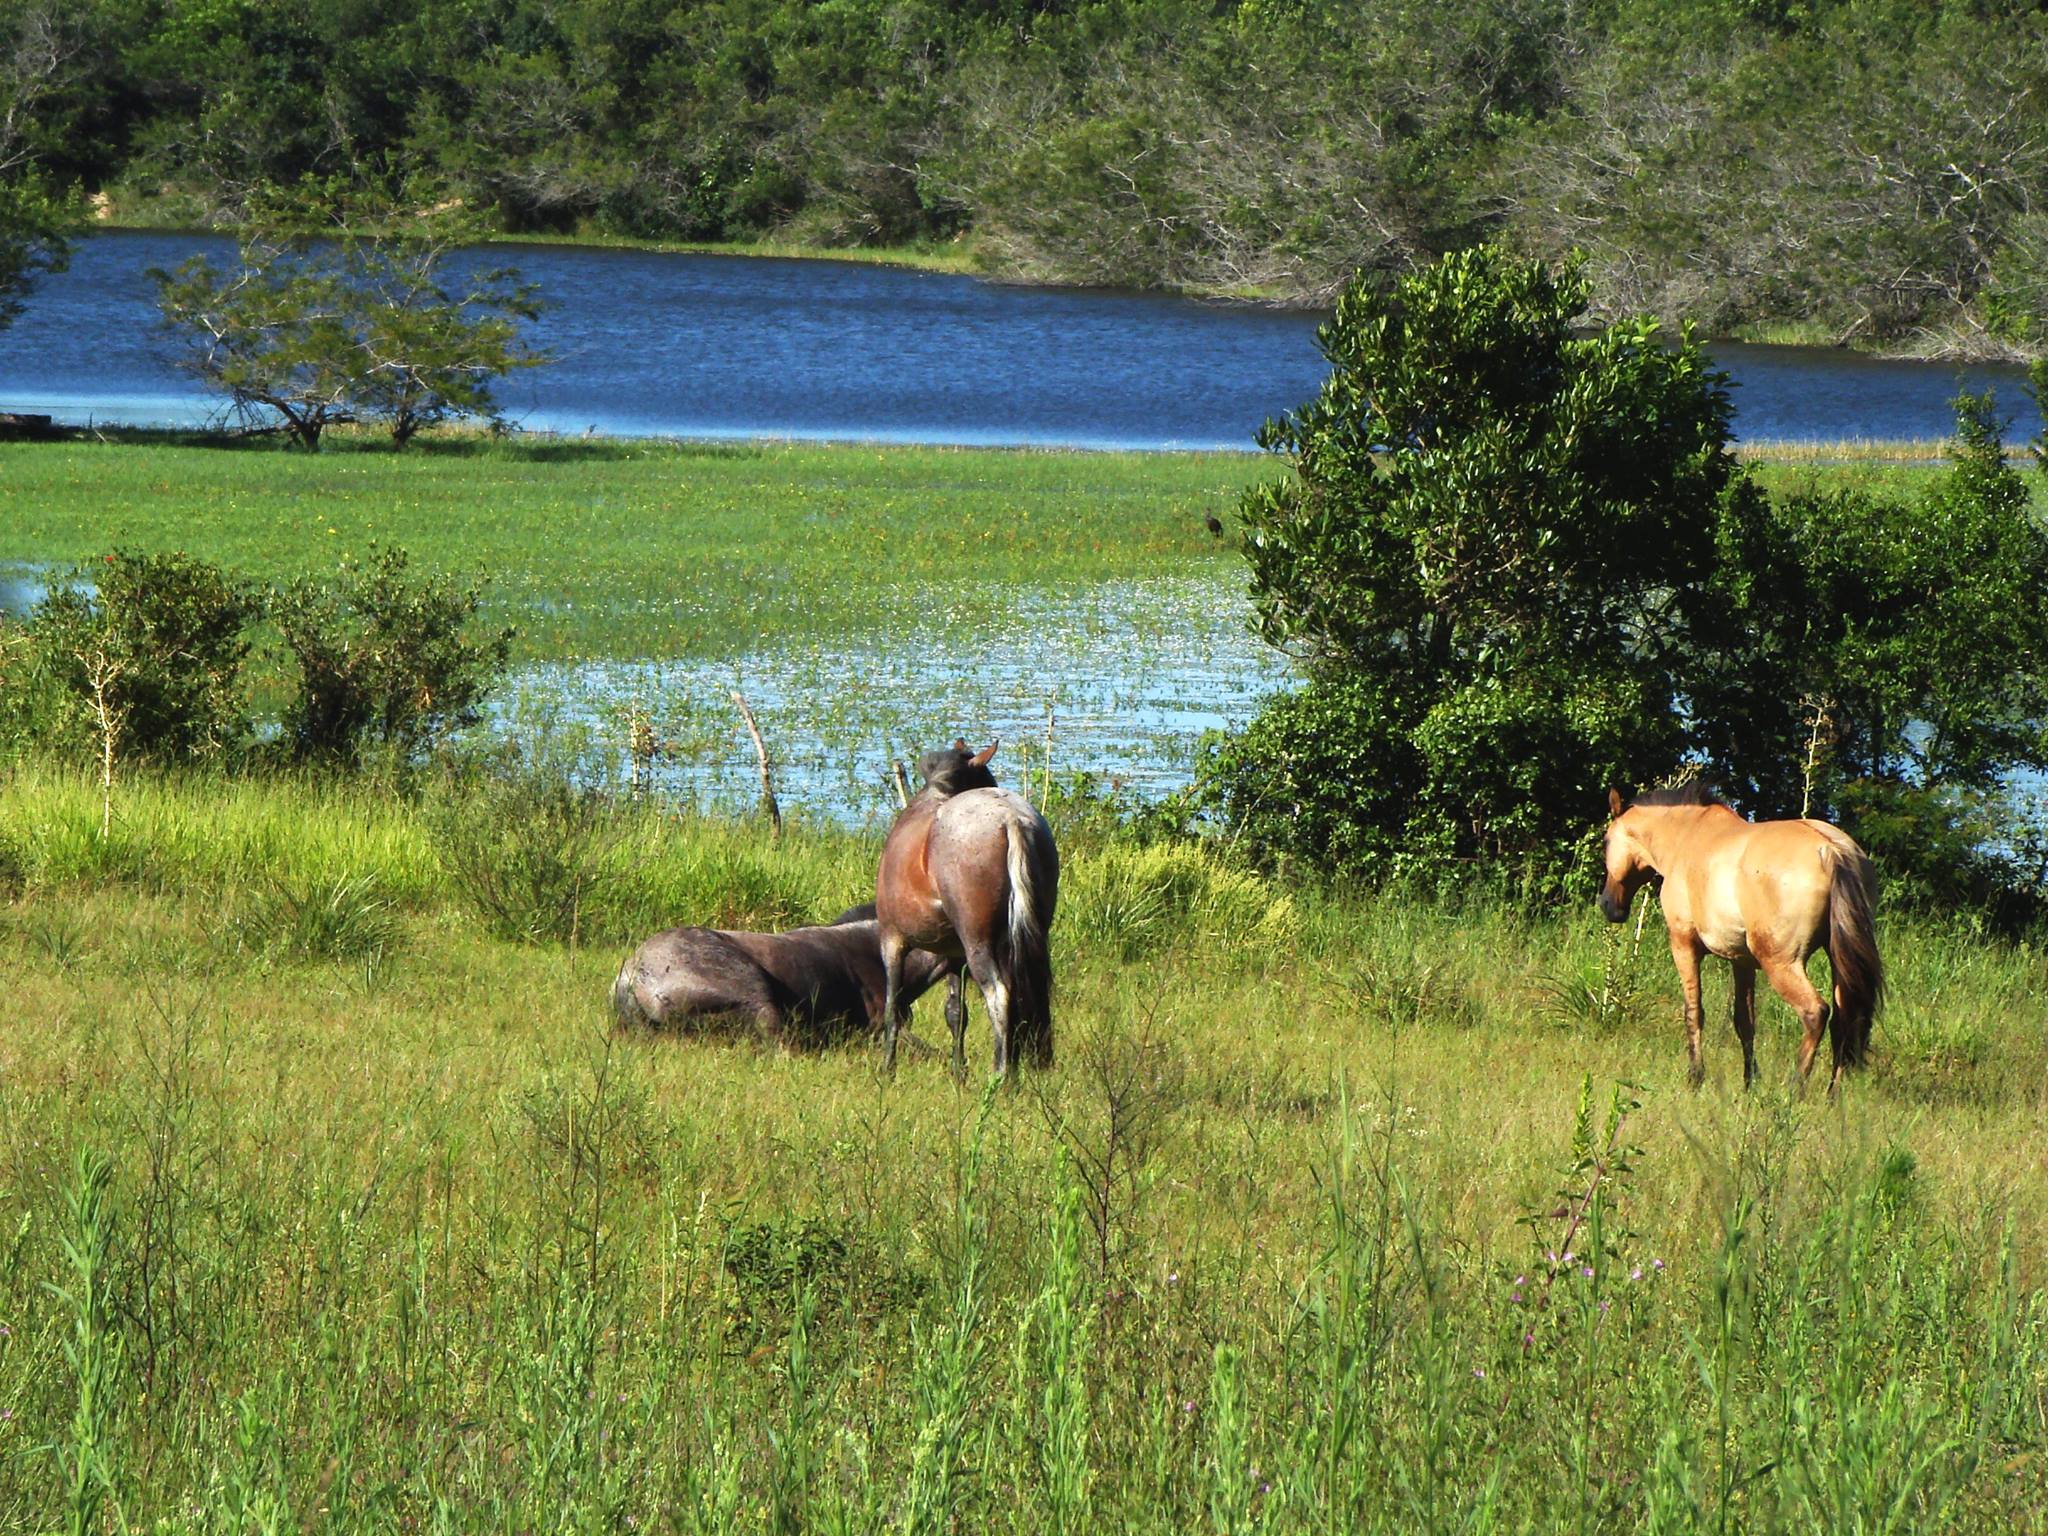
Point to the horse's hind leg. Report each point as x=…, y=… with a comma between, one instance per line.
x=892, y=983
x=1745, y=1017
x=1789, y=980
x=956, y=1021
x=995, y=997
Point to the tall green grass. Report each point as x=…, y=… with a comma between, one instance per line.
x=1332, y=1217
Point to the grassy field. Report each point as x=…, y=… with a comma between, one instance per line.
x=327, y=1206
x=623, y=549
x=628, y=549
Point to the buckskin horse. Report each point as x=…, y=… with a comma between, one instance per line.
x=970, y=872
x=1758, y=894
x=809, y=984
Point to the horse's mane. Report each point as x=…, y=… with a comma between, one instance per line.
x=1691, y=792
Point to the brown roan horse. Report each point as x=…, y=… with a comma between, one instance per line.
x=1762, y=894
x=970, y=871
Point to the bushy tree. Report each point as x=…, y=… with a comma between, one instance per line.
x=1519, y=564
x=149, y=648
x=388, y=661
x=324, y=323
x=1489, y=557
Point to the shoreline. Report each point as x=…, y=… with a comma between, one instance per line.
x=962, y=258
x=1816, y=453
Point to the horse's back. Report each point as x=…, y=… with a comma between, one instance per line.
x=906, y=898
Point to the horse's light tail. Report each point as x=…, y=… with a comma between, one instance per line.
x=1034, y=878
x=1852, y=952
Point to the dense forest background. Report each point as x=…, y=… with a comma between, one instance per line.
x=1843, y=170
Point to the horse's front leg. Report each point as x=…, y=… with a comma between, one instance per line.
x=892, y=984
x=956, y=1021
x=1685, y=954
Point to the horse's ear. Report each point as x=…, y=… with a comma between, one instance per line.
x=959, y=743
x=1614, y=806
x=980, y=759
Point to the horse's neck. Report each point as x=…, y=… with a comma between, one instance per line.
x=1679, y=829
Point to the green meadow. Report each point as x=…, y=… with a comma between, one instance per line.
x=331, y=1201
x=625, y=549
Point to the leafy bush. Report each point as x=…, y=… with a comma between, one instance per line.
x=1521, y=566
x=386, y=660
x=159, y=642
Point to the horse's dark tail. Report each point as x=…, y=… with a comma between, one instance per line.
x=1034, y=880
x=1852, y=952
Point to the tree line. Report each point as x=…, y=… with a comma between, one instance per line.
x=1864, y=170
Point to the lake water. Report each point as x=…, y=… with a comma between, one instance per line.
x=716, y=346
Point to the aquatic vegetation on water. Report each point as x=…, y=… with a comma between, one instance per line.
x=1126, y=676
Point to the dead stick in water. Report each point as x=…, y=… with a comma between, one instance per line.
x=902, y=781
x=761, y=756
x=1045, y=790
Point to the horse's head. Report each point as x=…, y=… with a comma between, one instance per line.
x=949, y=770
x=1628, y=862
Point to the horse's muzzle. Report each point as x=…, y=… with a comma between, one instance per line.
x=1613, y=908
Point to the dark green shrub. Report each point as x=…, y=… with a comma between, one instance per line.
x=840, y=1267
x=152, y=647
x=1892, y=667
x=1490, y=556
x=387, y=660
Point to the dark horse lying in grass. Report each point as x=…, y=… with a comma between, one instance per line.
x=807, y=986
x=970, y=872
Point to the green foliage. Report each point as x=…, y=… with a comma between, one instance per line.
x=1866, y=171
x=321, y=323
x=387, y=661
x=163, y=639
x=1489, y=557
x=1895, y=653
x=34, y=240
x=1520, y=564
